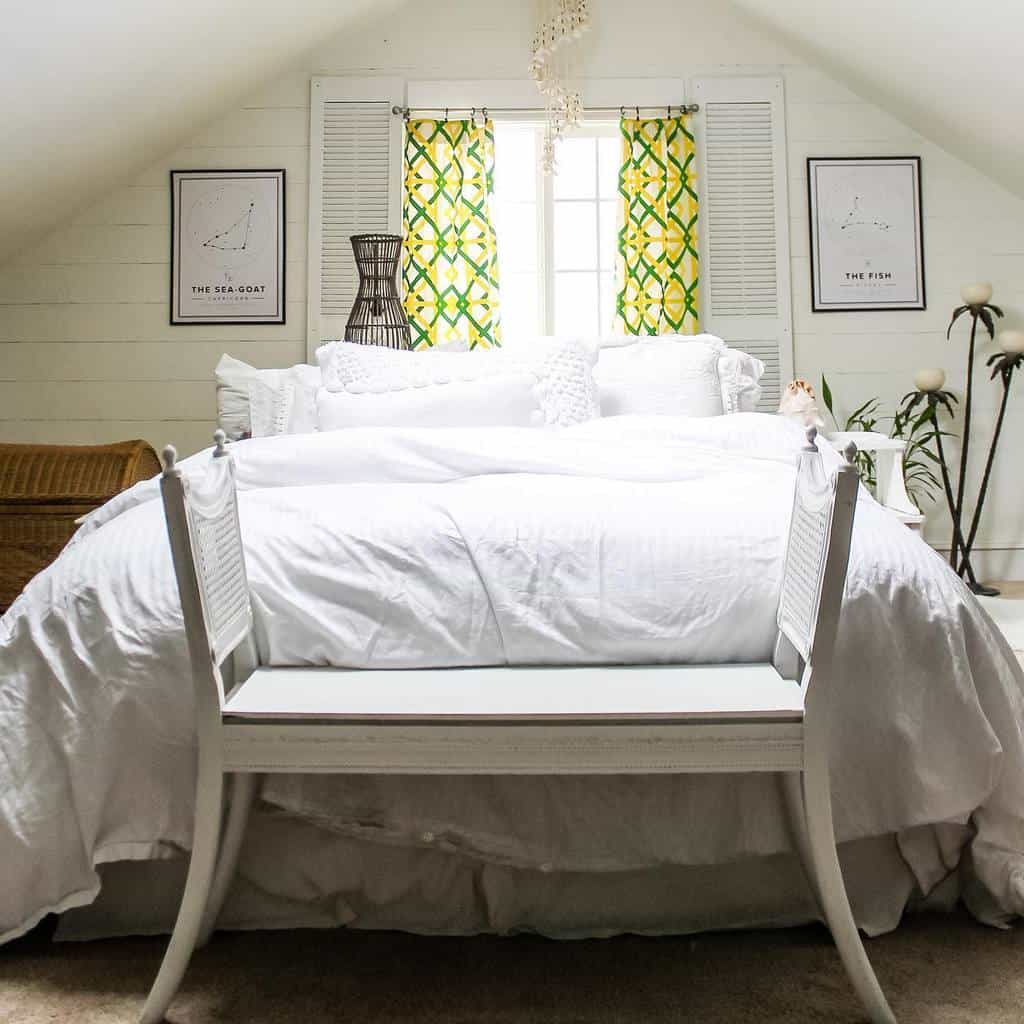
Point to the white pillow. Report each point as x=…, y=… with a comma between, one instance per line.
x=235, y=382
x=366, y=385
x=741, y=374
x=660, y=377
x=642, y=377
x=270, y=408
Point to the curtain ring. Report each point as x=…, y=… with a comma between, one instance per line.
x=622, y=111
x=405, y=115
x=446, y=113
x=483, y=111
x=637, y=109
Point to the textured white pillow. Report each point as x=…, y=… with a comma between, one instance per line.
x=660, y=377
x=366, y=385
x=235, y=383
x=270, y=407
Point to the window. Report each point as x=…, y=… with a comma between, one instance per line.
x=556, y=235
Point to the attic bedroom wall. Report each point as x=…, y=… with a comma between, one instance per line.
x=88, y=354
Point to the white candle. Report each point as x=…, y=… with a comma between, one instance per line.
x=1011, y=342
x=976, y=294
x=929, y=380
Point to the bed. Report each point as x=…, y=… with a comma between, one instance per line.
x=631, y=538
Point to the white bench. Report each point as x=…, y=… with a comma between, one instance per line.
x=509, y=720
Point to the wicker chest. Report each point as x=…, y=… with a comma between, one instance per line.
x=45, y=488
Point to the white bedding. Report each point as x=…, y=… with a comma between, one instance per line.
x=622, y=539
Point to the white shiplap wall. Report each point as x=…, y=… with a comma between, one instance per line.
x=86, y=353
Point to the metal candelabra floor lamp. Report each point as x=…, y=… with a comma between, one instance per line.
x=377, y=316
x=930, y=393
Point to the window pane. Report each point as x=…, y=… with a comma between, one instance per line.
x=577, y=169
x=515, y=163
x=606, y=304
x=515, y=215
x=609, y=238
x=609, y=161
x=516, y=227
x=520, y=315
x=576, y=303
x=575, y=241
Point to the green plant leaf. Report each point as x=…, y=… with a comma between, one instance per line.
x=826, y=397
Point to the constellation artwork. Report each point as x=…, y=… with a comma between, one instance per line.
x=227, y=247
x=226, y=240
x=229, y=226
x=856, y=218
x=865, y=226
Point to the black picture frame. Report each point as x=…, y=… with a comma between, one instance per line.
x=865, y=302
x=277, y=280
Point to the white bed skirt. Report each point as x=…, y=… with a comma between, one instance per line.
x=297, y=875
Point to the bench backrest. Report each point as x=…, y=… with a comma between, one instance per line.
x=209, y=563
x=817, y=553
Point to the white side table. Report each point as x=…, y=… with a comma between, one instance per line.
x=890, y=490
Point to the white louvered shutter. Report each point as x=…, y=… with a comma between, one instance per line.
x=354, y=187
x=744, y=222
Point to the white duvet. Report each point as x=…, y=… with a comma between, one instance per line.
x=624, y=539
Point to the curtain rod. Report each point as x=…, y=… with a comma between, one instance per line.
x=683, y=108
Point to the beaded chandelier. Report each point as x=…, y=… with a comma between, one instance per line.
x=553, y=66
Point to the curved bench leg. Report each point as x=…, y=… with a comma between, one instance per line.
x=832, y=891
x=243, y=789
x=796, y=817
x=206, y=833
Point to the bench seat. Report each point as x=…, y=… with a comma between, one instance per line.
x=656, y=693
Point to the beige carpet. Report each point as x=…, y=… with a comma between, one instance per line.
x=937, y=969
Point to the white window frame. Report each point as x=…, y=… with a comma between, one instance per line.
x=545, y=204
x=546, y=225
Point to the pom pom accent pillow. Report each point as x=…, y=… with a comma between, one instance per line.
x=366, y=385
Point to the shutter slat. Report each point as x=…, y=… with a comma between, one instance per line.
x=740, y=207
x=355, y=197
x=739, y=216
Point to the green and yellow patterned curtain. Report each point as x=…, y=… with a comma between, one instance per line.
x=657, y=262
x=450, y=265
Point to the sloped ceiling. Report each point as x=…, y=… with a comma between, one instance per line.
x=95, y=90
x=949, y=69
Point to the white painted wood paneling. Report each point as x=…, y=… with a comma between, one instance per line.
x=86, y=351
x=137, y=360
